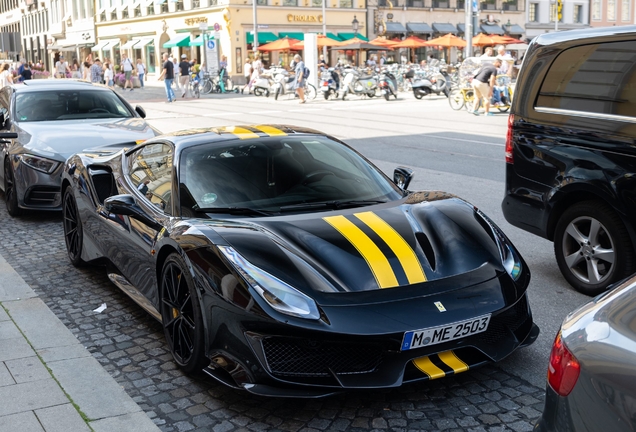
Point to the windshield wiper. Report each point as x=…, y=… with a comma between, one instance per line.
x=232, y=210
x=329, y=205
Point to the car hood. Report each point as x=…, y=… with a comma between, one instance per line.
x=411, y=242
x=60, y=139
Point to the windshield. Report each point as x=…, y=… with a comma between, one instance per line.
x=69, y=105
x=277, y=175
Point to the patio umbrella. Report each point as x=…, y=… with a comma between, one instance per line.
x=322, y=42
x=483, y=40
x=383, y=42
x=284, y=44
x=447, y=41
x=411, y=42
x=359, y=45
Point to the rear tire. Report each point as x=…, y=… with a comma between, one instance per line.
x=456, y=99
x=277, y=93
x=327, y=94
x=310, y=92
x=387, y=96
x=592, y=247
x=258, y=91
x=10, y=194
x=207, y=87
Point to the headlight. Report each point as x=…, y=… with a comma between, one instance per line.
x=509, y=258
x=279, y=295
x=512, y=263
x=39, y=163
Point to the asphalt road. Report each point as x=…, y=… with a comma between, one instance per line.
x=449, y=150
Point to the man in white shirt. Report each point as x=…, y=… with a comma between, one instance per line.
x=506, y=60
x=61, y=67
x=176, y=72
x=127, y=67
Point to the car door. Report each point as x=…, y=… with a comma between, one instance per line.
x=5, y=126
x=147, y=176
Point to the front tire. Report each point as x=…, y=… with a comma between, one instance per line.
x=73, y=231
x=277, y=93
x=387, y=96
x=456, y=99
x=181, y=315
x=10, y=193
x=592, y=247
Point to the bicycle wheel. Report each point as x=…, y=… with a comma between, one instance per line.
x=310, y=92
x=197, y=91
x=456, y=99
x=207, y=87
x=469, y=100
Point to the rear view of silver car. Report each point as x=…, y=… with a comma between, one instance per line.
x=592, y=371
x=55, y=119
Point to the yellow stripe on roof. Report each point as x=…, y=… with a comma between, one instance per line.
x=240, y=132
x=377, y=261
x=404, y=253
x=426, y=365
x=454, y=362
x=269, y=130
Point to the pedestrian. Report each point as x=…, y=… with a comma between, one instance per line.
x=143, y=187
x=141, y=72
x=6, y=77
x=167, y=74
x=483, y=84
x=184, y=79
x=127, y=67
x=86, y=73
x=26, y=72
x=299, y=84
x=108, y=75
x=96, y=72
x=487, y=52
x=322, y=64
x=61, y=67
x=20, y=69
x=247, y=73
x=175, y=70
x=75, y=70
x=506, y=60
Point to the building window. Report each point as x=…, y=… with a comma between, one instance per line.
x=138, y=11
x=533, y=12
x=461, y=4
x=412, y=3
x=510, y=5
x=553, y=13
x=596, y=10
x=625, y=10
x=317, y=3
x=346, y=3
x=611, y=10
x=164, y=8
x=489, y=5
x=441, y=4
x=196, y=4
x=179, y=5
x=124, y=13
x=113, y=15
x=578, y=14
x=150, y=10
x=290, y=2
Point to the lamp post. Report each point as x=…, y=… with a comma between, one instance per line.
x=507, y=26
x=255, y=41
x=324, y=28
x=355, y=24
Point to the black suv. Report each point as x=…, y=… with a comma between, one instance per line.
x=571, y=152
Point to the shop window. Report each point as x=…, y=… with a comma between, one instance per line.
x=137, y=11
x=346, y=3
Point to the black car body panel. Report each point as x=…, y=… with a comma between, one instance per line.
x=571, y=135
x=601, y=335
x=57, y=140
x=357, y=342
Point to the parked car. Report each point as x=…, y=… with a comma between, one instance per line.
x=282, y=262
x=55, y=119
x=592, y=372
x=571, y=159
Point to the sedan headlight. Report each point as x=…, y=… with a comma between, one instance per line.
x=279, y=295
x=39, y=163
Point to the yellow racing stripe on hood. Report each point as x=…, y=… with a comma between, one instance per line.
x=377, y=261
x=452, y=361
x=269, y=130
x=404, y=253
x=426, y=365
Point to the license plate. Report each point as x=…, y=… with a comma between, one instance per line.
x=324, y=88
x=435, y=335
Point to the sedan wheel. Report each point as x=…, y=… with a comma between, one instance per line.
x=73, y=234
x=181, y=316
x=10, y=194
x=592, y=247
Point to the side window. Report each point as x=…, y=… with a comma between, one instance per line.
x=597, y=78
x=150, y=170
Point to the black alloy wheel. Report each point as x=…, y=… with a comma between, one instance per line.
x=73, y=233
x=592, y=247
x=10, y=194
x=181, y=315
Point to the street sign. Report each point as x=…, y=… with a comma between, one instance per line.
x=217, y=27
x=212, y=56
x=203, y=26
x=211, y=44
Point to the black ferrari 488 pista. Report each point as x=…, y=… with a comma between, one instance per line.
x=281, y=261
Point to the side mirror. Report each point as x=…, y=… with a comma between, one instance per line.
x=402, y=176
x=127, y=206
x=140, y=111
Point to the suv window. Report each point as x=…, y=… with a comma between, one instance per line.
x=150, y=170
x=597, y=78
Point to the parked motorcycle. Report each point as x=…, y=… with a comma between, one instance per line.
x=264, y=85
x=329, y=82
x=387, y=84
x=434, y=81
x=283, y=83
x=356, y=83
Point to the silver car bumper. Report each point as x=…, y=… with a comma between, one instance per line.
x=35, y=189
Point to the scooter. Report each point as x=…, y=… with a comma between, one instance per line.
x=329, y=82
x=388, y=84
x=356, y=83
x=435, y=82
x=283, y=83
x=263, y=84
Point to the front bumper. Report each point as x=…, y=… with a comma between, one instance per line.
x=37, y=190
x=316, y=365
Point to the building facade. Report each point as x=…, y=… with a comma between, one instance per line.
x=542, y=14
x=10, y=36
x=607, y=13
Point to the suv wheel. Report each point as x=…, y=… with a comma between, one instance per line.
x=592, y=247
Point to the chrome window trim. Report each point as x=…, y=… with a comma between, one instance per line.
x=586, y=114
